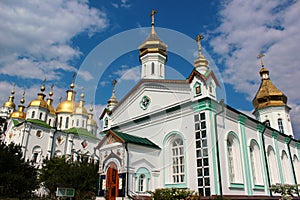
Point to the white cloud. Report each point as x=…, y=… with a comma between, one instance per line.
x=128, y=74
x=122, y=4
x=248, y=28
x=36, y=35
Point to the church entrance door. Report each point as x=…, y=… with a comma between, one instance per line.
x=112, y=182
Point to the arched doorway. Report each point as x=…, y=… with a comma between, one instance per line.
x=112, y=182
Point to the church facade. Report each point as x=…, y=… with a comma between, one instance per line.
x=178, y=134
x=44, y=132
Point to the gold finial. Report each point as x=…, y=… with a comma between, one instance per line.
x=260, y=56
x=153, y=12
x=22, y=101
x=51, y=91
x=43, y=85
x=91, y=107
x=198, y=39
x=114, y=82
x=60, y=98
x=82, y=93
x=13, y=90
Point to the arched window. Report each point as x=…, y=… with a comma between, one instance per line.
x=280, y=126
x=77, y=122
x=256, y=164
x=197, y=89
x=60, y=122
x=287, y=171
x=36, y=154
x=144, y=74
x=152, y=68
x=142, y=176
x=178, y=160
x=32, y=114
x=234, y=159
x=174, y=158
x=273, y=167
x=142, y=183
x=211, y=88
x=49, y=122
x=106, y=122
x=41, y=115
x=67, y=123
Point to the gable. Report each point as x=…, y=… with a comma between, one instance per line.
x=149, y=97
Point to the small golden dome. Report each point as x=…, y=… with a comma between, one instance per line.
x=113, y=100
x=268, y=94
x=153, y=44
x=10, y=103
x=19, y=114
x=81, y=110
x=39, y=102
x=66, y=107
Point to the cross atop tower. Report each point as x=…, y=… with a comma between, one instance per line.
x=260, y=56
x=198, y=39
x=153, y=12
x=114, y=82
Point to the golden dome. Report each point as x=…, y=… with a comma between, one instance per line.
x=268, y=94
x=80, y=110
x=10, y=103
x=90, y=120
x=153, y=44
x=201, y=61
x=39, y=102
x=66, y=107
x=19, y=114
x=113, y=100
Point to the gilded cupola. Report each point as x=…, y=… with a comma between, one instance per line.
x=201, y=63
x=50, y=101
x=153, y=44
x=112, y=102
x=10, y=103
x=80, y=109
x=268, y=94
x=90, y=120
x=39, y=102
x=19, y=114
x=68, y=106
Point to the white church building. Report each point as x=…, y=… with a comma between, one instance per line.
x=44, y=132
x=178, y=134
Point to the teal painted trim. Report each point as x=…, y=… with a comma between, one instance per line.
x=205, y=104
x=237, y=185
x=242, y=120
x=164, y=159
x=145, y=102
x=194, y=89
x=275, y=136
x=259, y=187
x=260, y=129
x=145, y=171
x=298, y=145
x=214, y=152
x=287, y=140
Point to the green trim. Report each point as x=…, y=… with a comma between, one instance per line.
x=177, y=185
x=287, y=140
x=205, y=104
x=16, y=122
x=214, y=152
x=136, y=140
x=81, y=132
x=237, y=185
x=259, y=187
x=39, y=123
x=275, y=136
x=194, y=89
x=260, y=128
x=242, y=120
x=298, y=145
x=263, y=156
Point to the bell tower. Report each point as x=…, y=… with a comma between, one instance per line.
x=153, y=55
x=270, y=104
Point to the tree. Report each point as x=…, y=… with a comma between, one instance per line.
x=82, y=176
x=17, y=177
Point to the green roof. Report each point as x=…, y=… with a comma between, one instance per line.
x=39, y=122
x=136, y=140
x=81, y=132
x=16, y=122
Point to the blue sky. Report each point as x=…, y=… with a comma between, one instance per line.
x=53, y=39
